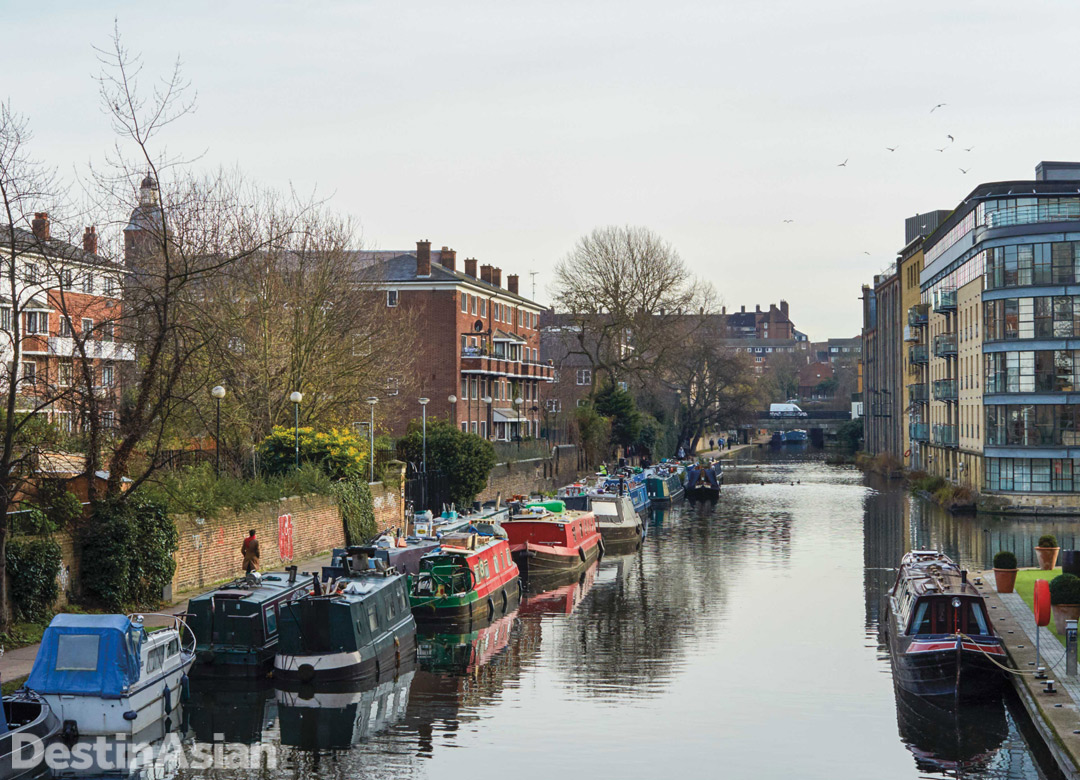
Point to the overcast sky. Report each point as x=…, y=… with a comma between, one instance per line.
x=507, y=129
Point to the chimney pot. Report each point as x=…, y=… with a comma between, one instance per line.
x=40, y=225
x=423, y=258
x=496, y=277
x=784, y=308
x=89, y=240
x=743, y=310
x=448, y=259
x=470, y=267
x=512, y=283
x=485, y=273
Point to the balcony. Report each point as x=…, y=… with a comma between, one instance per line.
x=471, y=363
x=945, y=435
x=918, y=315
x=917, y=393
x=945, y=345
x=944, y=301
x=919, y=431
x=918, y=354
x=910, y=334
x=102, y=350
x=945, y=390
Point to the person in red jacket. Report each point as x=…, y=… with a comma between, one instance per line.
x=250, y=549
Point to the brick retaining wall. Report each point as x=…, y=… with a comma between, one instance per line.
x=532, y=476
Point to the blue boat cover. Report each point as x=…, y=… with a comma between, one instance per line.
x=88, y=655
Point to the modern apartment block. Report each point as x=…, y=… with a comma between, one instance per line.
x=882, y=371
x=1002, y=281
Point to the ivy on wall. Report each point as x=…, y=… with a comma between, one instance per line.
x=33, y=566
x=357, y=510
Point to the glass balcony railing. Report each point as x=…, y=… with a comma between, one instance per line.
x=918, y=315
x=944, y=300
x=917, y=393
x=945, y=435
x=918, y=354
x=945, y=390
x=919, y=431
x=945, y=345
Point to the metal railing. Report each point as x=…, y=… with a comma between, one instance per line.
x=918, y=315
x=919, y=431
x=1060, y=210
x=945, y=345
x=918, y=354
x=945, y=435
x=945, y=390
x=944, y=300
x=917, y=393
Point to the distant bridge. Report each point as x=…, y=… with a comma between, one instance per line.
x=828, y=423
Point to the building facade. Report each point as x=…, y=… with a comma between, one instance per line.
x=480, y=341
x=882, y=338
x=1002, y=278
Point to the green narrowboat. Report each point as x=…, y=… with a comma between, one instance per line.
x=469, y=578
x=664, y=484
x=236, y=625
x=353, y=627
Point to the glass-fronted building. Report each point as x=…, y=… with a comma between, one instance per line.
x=1018, y=244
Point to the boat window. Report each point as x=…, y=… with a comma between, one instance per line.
x=155, y=658
x=496, y=560
x=77, y=653
x=271, y=620
x=921, y=623
x=402, y=599
x=174, y=647
x=372, y=618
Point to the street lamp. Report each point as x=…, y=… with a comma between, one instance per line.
x=372, y=400
x=296, y=397
x=517, y=403
x=423, y=410
x=217, y=393
x=487, y=400
x=453, y=408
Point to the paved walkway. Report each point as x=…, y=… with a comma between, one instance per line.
x=17, y=663
x=1056, y=715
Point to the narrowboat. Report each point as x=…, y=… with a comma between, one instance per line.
x=338, y=718
x=663, y=484
x=105, y=675
x=941, y=639
x=620, y=526
x=237, y=624
x=550, y=543
x=703, y=483
x=795, y=436
x=354, y=624
x=469, y=578
x=27, y=727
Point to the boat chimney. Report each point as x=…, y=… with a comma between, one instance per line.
x=292, y=573
x=963, y=576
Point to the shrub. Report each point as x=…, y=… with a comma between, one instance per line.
x=127, y=553
x=33, y=567
x=464, y=458
x=357, y=510
x=1049, y=540
x=1065, y=589
x=1005, y=560
x=339, y=453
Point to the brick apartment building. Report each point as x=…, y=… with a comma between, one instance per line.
x=66, y=296
x=479, y=359
x=774, y=323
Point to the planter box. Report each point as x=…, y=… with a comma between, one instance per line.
x=1005, y=579
x=1047, y=557
x=1063, y=612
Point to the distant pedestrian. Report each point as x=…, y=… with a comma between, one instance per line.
x=712, y=444
x=250, y=549
x=682, y=452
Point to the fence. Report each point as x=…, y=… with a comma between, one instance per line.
x=506, y=451
x=427, y=490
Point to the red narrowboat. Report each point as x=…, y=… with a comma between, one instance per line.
x=468, y=578
x=550, y=546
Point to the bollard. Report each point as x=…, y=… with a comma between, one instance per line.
x=1070, y=648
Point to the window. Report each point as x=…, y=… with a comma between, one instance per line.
x=5, y=318
x=67, y=280
x=87, y=327
x=88, y=284
x=483, y=307
x=584, y=376
x=65, y=327
x=582, y=402
x=77, y=653
x=110, y=286
x=464, y=303
x=391, y=386
x=472, y=304
x=553, y=405
x=372, y=618
x=173, y=648
x=108, y=420
x=29, y=372
x=623, y=386
x=37, y=322
x=31, y=273
x=106, y=376
x=464, y=427
x=65, y=373
x=391, y=298
x=154, y=659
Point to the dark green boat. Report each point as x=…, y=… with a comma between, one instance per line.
x=236, y=625
x=664, y=483
x=354, y=626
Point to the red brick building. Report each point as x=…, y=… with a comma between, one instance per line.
x=480, y=341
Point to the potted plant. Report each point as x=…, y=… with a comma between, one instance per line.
x=1047, y=550
x=1005, y=571
x=1065, y=600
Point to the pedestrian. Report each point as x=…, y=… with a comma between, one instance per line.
x=712, y=444
x=682, y=452
x=250, y=550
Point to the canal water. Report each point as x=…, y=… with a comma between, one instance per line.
x=741, y=641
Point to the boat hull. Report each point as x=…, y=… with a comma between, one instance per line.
x=472, y=611
x=703, y=493
x=36, y=731
x=359, y=666
x=543, y=567
x=231, y=662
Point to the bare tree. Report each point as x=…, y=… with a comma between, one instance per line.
x=621, y=289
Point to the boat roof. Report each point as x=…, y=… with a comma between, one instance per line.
x=930, y=572
x=268, y=586
x=479, y=543
x=87, y=655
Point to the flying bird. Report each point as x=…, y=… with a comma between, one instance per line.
x=942, y=149
x=893, y=148
x=789, y=220
x=951, y=139
x=866, y=253
x=964, y=170
x=842, y=165
x=939, y=105
x=969, y=148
